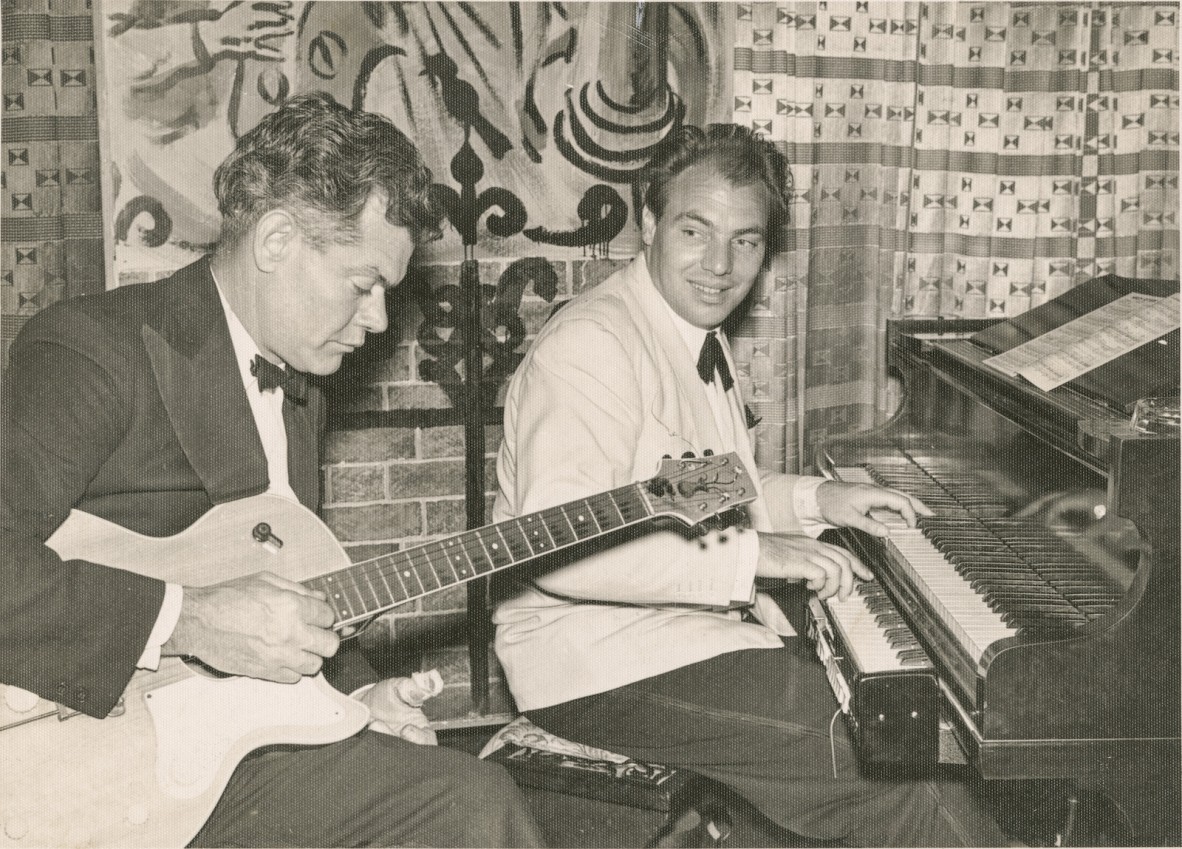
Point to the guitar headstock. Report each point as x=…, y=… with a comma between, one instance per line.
x=694, y=489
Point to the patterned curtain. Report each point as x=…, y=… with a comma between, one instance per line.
x=52, y=204
x=958, y=159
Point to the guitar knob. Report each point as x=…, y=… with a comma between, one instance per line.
x=18, y=700
x=262, y=533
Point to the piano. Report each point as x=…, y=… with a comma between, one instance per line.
x=1030, y=628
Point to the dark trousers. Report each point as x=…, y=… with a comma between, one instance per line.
x=760, y=722
x=369, y=790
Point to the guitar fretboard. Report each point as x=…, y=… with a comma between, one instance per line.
x=374, y=586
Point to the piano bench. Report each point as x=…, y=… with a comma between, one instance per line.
x=606, y=799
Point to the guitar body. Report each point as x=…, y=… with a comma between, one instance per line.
x=150, y=773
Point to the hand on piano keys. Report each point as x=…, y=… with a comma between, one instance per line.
x=848, y=505
x=828, y=570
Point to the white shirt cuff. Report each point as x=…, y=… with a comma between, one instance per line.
x=804, y=504
x=166, y=619
x=746, y=553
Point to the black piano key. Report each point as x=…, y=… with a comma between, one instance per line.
x=1038, y=623
x=999, y=598
x=914, y=657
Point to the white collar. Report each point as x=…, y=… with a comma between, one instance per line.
x=245, y=348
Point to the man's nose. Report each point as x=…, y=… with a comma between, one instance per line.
x=372, y=314
x=717, y=259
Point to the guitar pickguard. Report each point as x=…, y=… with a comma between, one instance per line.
x=201, y=722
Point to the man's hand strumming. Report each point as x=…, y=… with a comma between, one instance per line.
x=258, y=625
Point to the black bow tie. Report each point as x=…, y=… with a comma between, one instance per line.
x=270, y=376
x=711, y=360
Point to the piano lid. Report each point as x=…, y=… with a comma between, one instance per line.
x=1147, y=371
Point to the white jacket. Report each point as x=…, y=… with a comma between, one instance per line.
x=604, y=392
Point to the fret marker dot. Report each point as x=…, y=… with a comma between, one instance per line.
x=494, y=545
x=406, y=574
x=581, y=519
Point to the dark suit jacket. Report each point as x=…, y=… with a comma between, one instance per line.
x=127, y=405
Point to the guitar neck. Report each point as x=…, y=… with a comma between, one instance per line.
x=366, y=589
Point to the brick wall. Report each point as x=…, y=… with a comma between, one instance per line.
x=394, y=477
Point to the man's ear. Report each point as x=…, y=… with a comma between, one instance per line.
x=274, y=236
x=648, y=226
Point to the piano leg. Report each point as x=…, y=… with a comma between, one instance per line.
x=1090, y=818
x=1134, y=802
x=1145, y=796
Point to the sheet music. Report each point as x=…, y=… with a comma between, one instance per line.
x=1075, y=348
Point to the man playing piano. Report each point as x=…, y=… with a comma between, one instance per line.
x=662, y=648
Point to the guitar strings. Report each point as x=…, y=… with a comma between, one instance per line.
x=478, y=534
x=384, y=564
x=476, y=548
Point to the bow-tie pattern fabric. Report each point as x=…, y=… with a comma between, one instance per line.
x=713, y=360
x=270, y=376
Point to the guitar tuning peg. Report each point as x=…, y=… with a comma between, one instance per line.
x=666, y=456
x=660, y=487
x=688, y=455
x=709, y=452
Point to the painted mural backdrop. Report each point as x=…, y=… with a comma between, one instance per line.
x=543, y=114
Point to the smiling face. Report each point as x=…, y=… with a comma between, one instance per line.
x=318, y=305
x=706, y=250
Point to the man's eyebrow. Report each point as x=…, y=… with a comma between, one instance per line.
x=371, y=270
x=705, y=222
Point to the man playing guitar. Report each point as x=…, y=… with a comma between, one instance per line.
x=146, y=406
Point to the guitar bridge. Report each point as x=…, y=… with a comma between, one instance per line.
x=64, y=713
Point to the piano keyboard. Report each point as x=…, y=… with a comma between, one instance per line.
x=874, y=633
x=882, y=678
x=953, y=598
x=985, y=575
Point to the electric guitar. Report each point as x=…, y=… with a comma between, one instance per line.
x=150, y=773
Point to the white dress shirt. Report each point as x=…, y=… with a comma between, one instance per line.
x=723, y=404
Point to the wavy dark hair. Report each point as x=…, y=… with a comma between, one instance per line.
x=740, y=155
x=321, y=161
